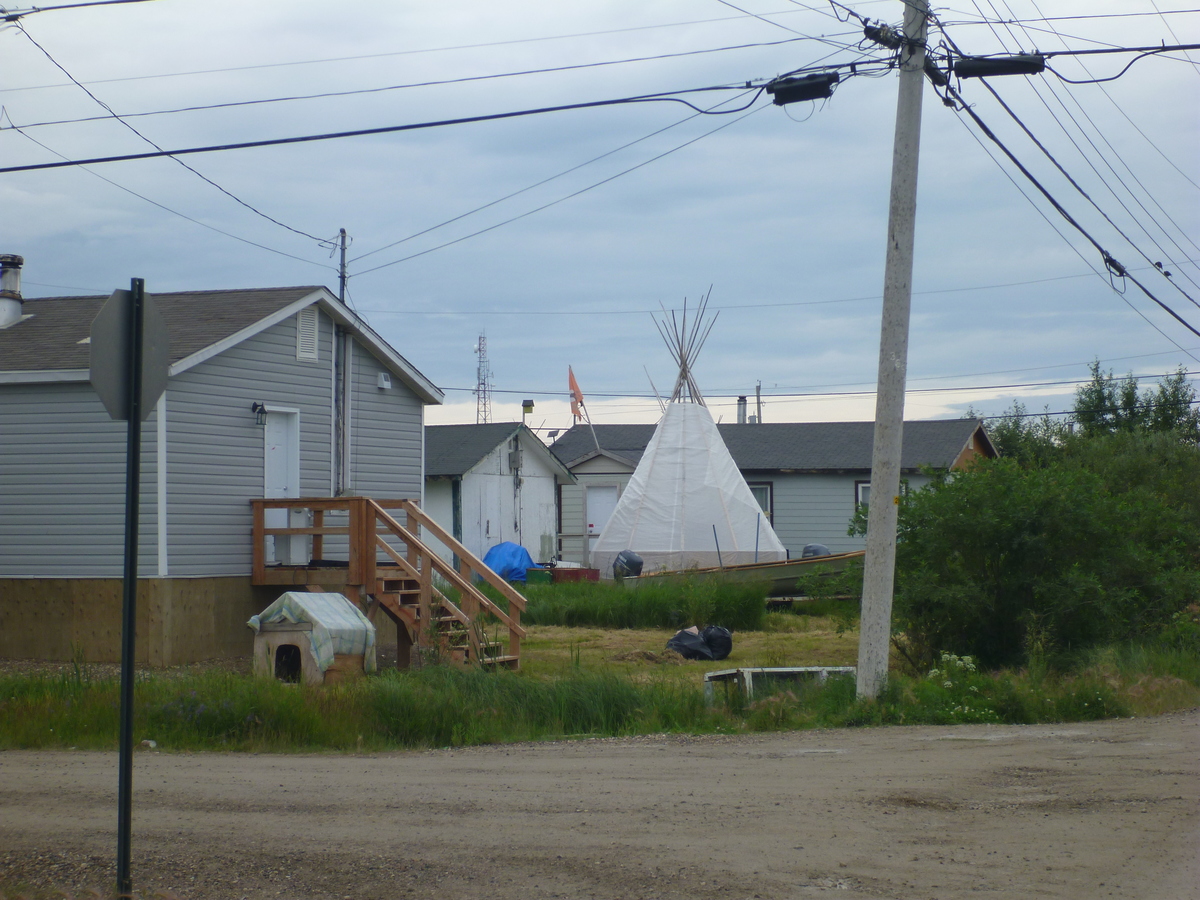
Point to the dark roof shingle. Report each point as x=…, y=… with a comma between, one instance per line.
x=50, y=337
x=792, y=446
x=454, y=449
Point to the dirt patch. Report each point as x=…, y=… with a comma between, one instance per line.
x=1092, y=810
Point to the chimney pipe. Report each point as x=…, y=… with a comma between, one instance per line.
x=10, y=289
x=741, y=407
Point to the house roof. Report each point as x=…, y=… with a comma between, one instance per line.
x=456, y=449
x=794, y=446
x=50, y=342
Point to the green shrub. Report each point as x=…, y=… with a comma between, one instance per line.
x=1094, y=548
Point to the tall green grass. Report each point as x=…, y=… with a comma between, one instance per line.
x=443, y=706
x=606, y=604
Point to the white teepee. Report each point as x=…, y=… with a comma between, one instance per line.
x=687, y=505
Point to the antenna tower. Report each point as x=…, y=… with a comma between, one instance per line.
x=483, y=383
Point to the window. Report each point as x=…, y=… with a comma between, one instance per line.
x=307, y=333
x=763, y=493
x=862, y=494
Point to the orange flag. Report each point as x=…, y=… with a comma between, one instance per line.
x=576, y=394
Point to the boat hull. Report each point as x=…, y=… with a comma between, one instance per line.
x=781, y=576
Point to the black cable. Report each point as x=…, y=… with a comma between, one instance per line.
x=523, y=190
x=1075, y=184
x=1120, y=180
x=195, y=172
x=1109, y=261
x=555, y=202
x=416, y=84
x=333, y=59
x=15, y=16
x=665, y=97
x=174, y=212
x=1016, y=21
x=1062, y=77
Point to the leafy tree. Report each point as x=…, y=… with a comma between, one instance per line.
x=1026, y=438
x=1106, y=405
x=1098, y=544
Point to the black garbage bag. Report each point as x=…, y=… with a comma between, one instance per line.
x=711, y=644
x=719, y=640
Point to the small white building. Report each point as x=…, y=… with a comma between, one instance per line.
x=493, y=483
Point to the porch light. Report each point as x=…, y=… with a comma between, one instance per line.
x=260, y=413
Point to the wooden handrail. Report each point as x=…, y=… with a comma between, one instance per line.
x=415, y=562
x=444, y=569
x=478, y=565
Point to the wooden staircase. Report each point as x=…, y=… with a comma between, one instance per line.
x=439, y=610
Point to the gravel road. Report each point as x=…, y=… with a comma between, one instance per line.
x=1085, y=811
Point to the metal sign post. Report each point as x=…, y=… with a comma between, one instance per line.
x=129, y=372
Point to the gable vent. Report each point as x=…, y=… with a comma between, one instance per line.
x=307, y=333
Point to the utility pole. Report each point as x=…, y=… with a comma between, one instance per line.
x=342, y=266
x=880, y=565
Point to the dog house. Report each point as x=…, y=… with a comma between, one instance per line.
x=312, y=638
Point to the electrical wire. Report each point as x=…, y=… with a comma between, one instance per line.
x=664, y=97
x=524, y=190
x=1110, y=262
x=816, y=395
x=570, y=196
x=163, y=207
x=1121, y=180
x=415, y=84
x=7, y=16
x=356, y=58
x=198, y=174
x=1075, y=184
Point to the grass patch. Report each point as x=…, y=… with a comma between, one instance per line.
x=606, y=604
x=588, y=693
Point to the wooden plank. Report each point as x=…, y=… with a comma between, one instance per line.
x=476, y=564
x=447, y=571
x=333, y=529
x=318, y=532
x=258, y=564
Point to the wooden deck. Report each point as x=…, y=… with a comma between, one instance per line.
x=438, y=608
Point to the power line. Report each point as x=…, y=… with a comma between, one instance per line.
x=665, y=97
x=163, y=207
x=526, y=189
x=1075, y=184
x=555, y=202
x=415, y=84
x=356, y=58
x=810, y=395
x=161, y=152
x=1113, y=266
x=14, y=16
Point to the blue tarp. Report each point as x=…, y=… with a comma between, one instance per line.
x=509, y=561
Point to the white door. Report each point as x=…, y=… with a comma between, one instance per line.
x=281, y=478
x=599, y=503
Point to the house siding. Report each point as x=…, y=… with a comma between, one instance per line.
x=817, y=509
x=572, y=540
x=215, y=447
x=62, y=485
x=386, y=433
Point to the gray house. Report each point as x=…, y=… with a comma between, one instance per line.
x=280, y=392
x=809, y=477
x=494, y=482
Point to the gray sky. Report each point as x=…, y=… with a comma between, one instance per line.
x=592, y=218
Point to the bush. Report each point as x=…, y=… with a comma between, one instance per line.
x=1098, y=546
